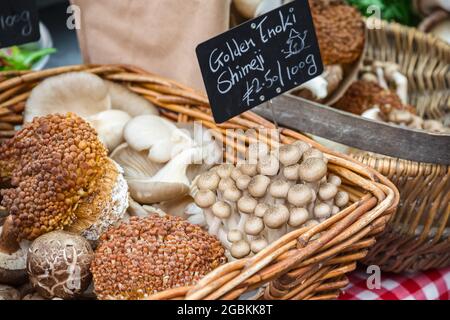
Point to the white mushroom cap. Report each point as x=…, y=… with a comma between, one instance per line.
x=322, y=211
x=290, y=155
x=300, y=195
x=268, y=166
x=312, y=153
x=312, y=169
x=291, y=172
x=205, y=198
x=234, y=236
x=109, y=126
x=242, y=182
x=258, y=245
x=240, y=249
x=341, y=199
x=247, y=204
x=224, y=171
x=250, y=170
x=298, y=217
x=276, y=216
x=158, y=135
x=334, y=179
x=82, y=93
x=279, y=189
x=208, y=181
x=232, y=194
x=261, y=209
x=257, y=151
x=303, y=146
x=225, y=184
x=327, y=191
x=221, y=210
x=258, y=186
x=236, y=174
x=254, y=226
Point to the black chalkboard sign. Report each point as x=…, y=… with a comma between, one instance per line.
x=260, y=59
x=19, y=22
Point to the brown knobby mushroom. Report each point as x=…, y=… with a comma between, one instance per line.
x=58, y=265
x=61, y=178
x=144, y=256
x=340, y=31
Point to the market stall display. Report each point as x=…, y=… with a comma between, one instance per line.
x=324, y=251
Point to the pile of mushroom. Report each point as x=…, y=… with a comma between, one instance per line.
x=61, y=178
x=153, y=254
x=252, y=205
x=106, y=105
x=160, y=160
x=381, y=93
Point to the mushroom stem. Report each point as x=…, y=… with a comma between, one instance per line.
x=8, y=237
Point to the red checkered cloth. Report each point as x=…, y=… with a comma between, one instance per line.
x=429, y=285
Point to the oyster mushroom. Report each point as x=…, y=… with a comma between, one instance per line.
x=125, y=100
x=80, y=92
x=58, y=265
x=124, y=263
x=151, y=182
x=109, y=126
x=60, y=178
x=159, y=136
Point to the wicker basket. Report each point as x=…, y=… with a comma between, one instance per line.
x=418, y=237
x=294, y=267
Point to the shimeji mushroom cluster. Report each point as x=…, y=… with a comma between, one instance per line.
x=249, y=206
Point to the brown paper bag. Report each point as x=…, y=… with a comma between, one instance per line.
x=157, y=35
